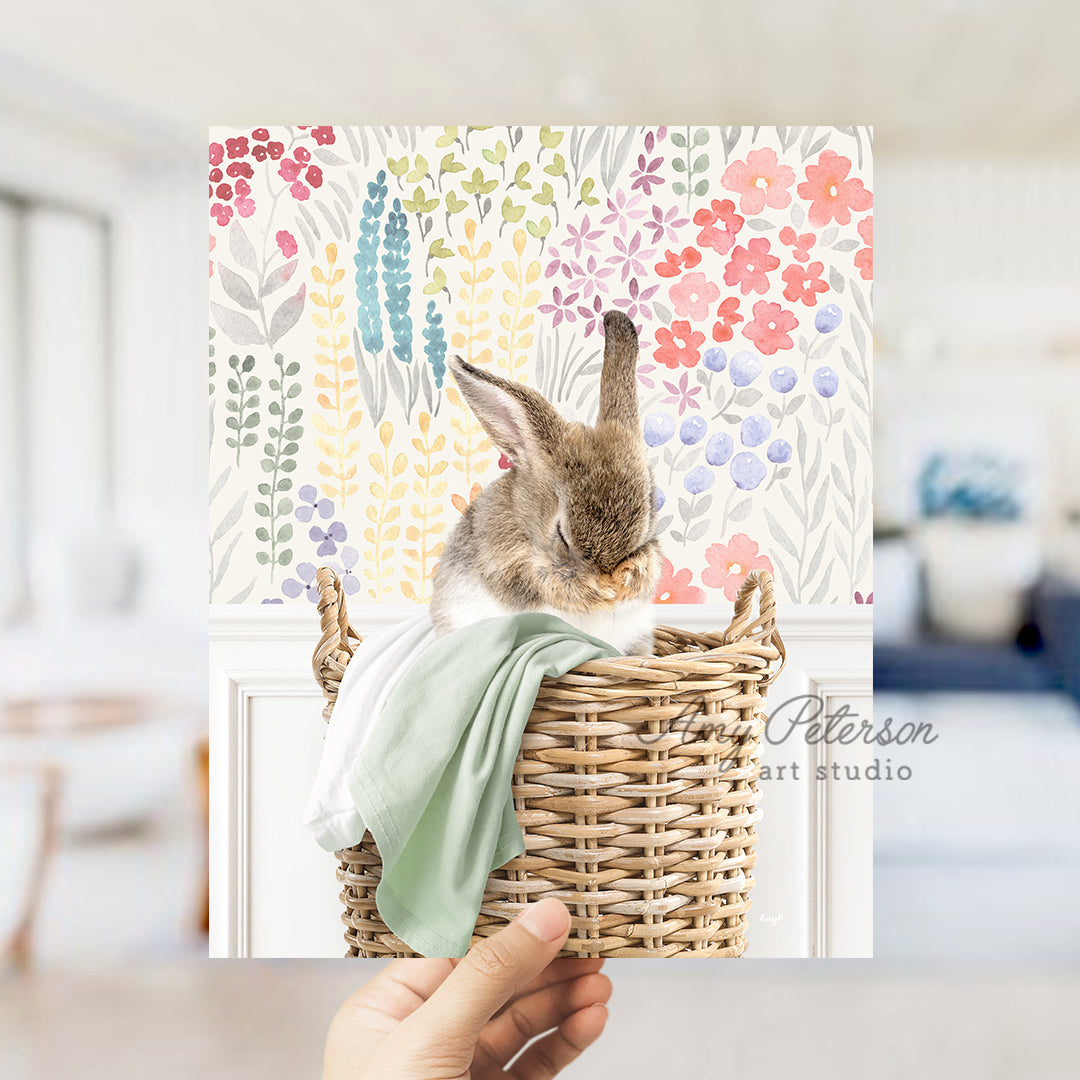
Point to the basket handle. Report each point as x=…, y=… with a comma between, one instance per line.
x=334, y=649
x=743, y=625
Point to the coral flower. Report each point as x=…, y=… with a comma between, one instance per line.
x=804, y=283
x=749, y=266
x=674, y=587
x=831, y=193
x=759, y=181
x=730, y=563
x=728, y=314
x=800, y=244
x=670, y=353
x=864, y=257
x=720, y=240
x=771, y=327
x=693, y=296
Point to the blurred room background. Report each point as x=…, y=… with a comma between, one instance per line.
x=103, y=111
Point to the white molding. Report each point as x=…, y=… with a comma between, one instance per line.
x=299, y=621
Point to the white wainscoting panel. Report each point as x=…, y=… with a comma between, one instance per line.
x=272, y=889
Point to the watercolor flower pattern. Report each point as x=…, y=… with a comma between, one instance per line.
x=347, y=261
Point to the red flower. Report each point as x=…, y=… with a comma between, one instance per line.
x=240, y=168
x=289, y=170
x=672, y=355
x=718, y=240
x=221, y=213
x=800, y=244
x=760, y=181
x=224, y=191
x=302, y=154
x=673, y=264
x=832, y=195
x=324, y=136
x=674, y=587
x=804, y=283
x=770, y=328
x=749, y=266
x=216, y=176
x=864, y=257
x=238, y=147
x=728, y=313
x=693, y=296
x=243, y=187
x=259, y=153
x=287, y=243
x=217, y=152
x=260, y=134
x=730, y=563
x=299, y=191
x=275, y=150
x=314, y=176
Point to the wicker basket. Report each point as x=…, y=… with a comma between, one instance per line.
x=636, y=789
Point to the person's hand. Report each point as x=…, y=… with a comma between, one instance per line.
x=445, y=1019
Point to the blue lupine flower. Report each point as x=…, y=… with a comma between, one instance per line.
x=779, y=451
x=369, y=313
x=826, y=381
x=699, y=479
x=747, y=470
x=436, y=342
x=745, y=368
x=783, y=379
x=754, y=430
x=395, y=277
x=693, y=430
x=659, y=427
x=715, y=359
x=827, y=319
x=718, y=449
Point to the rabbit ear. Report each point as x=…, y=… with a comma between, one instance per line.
x=520, y=421
x=618, y=380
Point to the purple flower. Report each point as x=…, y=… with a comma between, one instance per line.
x=665, y=224
x=754, y=430
x=328, y=541
x=715, y=359
x=581, y=237
x=645, y=175
x=659, y=498
x=623, y=210
x=658, y=428
x=646, y=371
x=553, y=268
x=718, y=448
x=692, y=430
x=589, y=279
x=827, y=319
x=310, y=504
x=745, y=367
x=783, y=379
x=638, y=304
x=349, y=581
x=593, y=316
x=274, y=600
x=630, y=256
x=682, y=394
x=826, y=381
x=292, y=587
x=747, y=470
x=779, y=451
x=652, y=139
x=563, y=307
x=699, y=479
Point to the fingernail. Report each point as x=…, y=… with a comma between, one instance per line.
x=546, y=920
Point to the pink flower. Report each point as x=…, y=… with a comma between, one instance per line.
x=287, y=243
x=759, y=181
x=831, y=194
x=730, y=563
x=221, y=213
x=770, y=328
x=299, y=191
x=693, y=296
x=289, y=170
x=324, y=136
x=749, y=266
x=261, y=134
x=245, y=207
x=674, y=587
x=217, y=153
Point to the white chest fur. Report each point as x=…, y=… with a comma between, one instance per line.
x=626, y=626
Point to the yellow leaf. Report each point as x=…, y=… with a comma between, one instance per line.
x=354, y=421
x=398, y=490
x=317, y=300
x=532, y=273
x=324, y=401
x=376, y=463
x=485, y=274
x=412, y=572
x=351, y=449
x=399, y=464
x=339, y=273
x=440, y=467
x=386, y=432
x=377, y=490
x=331, y=253
x=326, y=447
x=519, y=240
x=317, y=274
x=531, y=297
x=412, y=533
x=320, y=424
x=319, y=321
x=393, y=532
x=393, y=513
x=525, y=340
x=510, y=270
x=324, y=469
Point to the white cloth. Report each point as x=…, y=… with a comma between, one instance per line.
x=378, y=663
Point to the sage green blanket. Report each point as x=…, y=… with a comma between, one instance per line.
x=432, y=782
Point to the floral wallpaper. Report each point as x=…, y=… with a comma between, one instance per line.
x=346, y=262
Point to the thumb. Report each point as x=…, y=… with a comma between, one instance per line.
x=491, y=973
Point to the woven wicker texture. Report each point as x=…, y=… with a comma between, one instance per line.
x=636, y=790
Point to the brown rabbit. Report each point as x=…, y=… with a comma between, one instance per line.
x=569, y=529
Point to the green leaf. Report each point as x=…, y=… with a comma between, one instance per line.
x=549, y=138
x=285, y=532
x=262, y=558
x=454, y=204
x=701, y=163
x=447, y=137
x=701, y=137
x=438, y=249
x=285, y=557
x=399, y=167
x=449, y=163
x=678, y=139
x=678, y=187
x=437, y=282
x=557, y=166
x=262, y=534
x=520, y=173
x=510, y=212
x=701, y=187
